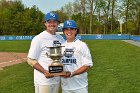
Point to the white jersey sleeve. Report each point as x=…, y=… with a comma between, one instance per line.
x=34, y=49
x=86, y=56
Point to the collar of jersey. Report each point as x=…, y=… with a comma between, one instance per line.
x=49, y=33
x=73, y=40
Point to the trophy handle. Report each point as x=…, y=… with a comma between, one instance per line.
x=47, y=54
x=63, y=53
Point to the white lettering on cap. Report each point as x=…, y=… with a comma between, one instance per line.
x=51, y=14
x=69, y=23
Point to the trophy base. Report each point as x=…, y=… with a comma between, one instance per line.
x=59, y=74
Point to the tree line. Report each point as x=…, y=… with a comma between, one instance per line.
x=92, y=17
x=16, y=19
x=105, y=16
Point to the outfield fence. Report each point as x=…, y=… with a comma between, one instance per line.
x=16, y=37
x=83, y=37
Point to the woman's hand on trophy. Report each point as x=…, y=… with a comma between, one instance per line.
x=68, y=73
x=47, y=74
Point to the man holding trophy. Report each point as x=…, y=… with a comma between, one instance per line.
x=44, y=56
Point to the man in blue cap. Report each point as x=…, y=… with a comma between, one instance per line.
x=76, y=60
x=44, y=81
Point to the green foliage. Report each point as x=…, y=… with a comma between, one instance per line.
x=131, y=27
x=15, y=19
x=62, y=16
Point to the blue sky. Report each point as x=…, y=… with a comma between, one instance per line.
x=46, y=5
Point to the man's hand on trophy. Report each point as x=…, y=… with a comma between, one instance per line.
x=47, y=74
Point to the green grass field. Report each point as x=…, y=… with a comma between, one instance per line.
x=15, y=46
x=116, y=68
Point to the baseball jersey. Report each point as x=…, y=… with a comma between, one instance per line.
x=39, y=50
x=75, y=55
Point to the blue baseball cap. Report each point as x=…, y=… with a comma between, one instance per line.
x=70, y=24
x=50, y=16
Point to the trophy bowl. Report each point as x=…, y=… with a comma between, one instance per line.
x=56, y=68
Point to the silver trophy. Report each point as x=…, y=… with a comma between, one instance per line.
x=56, y=68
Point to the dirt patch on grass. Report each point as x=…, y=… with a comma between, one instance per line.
x=11, y=58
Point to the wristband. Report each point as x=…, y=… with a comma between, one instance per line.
x=72, y=74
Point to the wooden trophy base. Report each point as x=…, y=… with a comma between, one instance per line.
x=59, y=74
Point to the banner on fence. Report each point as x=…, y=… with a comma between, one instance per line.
x=16, y=37
x=82, y=37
